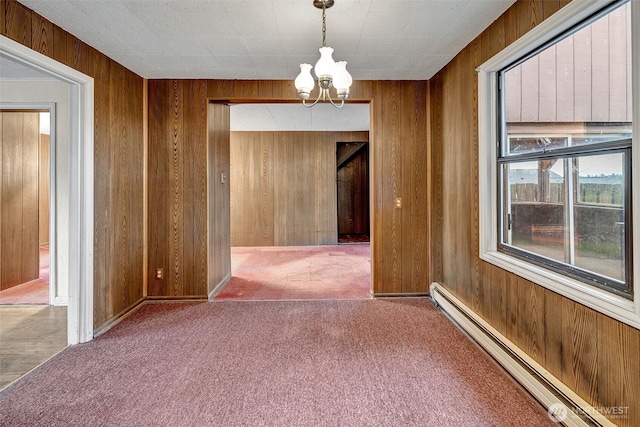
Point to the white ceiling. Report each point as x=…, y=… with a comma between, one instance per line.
x=268, y=39
x=283, y=117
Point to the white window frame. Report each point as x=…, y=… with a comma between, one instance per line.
x=605, y=302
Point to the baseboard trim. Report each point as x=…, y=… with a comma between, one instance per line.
x=119, y=318
x=545, y=387
x=188, y=298
x=219, y=286
x=61, y=301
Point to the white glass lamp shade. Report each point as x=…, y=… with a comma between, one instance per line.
x=325, y=67
x=304, y=82
x=342, y=79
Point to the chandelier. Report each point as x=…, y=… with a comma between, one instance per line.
x=330, y=74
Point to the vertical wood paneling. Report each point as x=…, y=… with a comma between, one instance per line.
x=19, y=198
x=42, y=35
x=300, y=207
x=549, y=7
x=178, y=187
x=219, y=254
x=589, y=352
x=43, y=190
x=325, y=195
x=104, y=285
x=416, y=157
x=60, y=51
x=510, y=30
x=553, y=344
x=531, y=319
x=30, y=224
x=281, y=156
x=3, y=14
x=159, y=102
x=513, y=315
x=252, y=189
x=437, y=187
x=618, y=375
x=177, y=223
x=386, y=232
x=18, y=23
x=475, y=58
x=580, y=349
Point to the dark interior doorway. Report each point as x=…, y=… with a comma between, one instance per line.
x=352, y=176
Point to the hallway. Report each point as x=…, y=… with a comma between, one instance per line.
x=295, y=273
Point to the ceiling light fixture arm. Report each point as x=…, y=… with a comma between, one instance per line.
x=325, y=96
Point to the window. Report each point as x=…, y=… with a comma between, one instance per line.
x=557, y=117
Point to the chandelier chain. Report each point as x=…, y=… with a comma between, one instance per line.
x=324, y=25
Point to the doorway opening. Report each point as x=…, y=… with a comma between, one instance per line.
x=33, y=309
x=27, y=187
x=283, y=203
x=19, y=64
x=352, y=178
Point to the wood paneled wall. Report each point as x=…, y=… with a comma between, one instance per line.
x=593, y=354
x=219, y=195
x=283, y=187
x=178, y=188
x=119, y=162
x=19, y=152
x=399, y=150
x=43, y=190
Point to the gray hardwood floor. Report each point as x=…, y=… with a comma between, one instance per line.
x=29, y=335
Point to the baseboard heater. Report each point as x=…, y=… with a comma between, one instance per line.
x=568, y=408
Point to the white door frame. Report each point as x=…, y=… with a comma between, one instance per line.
x=80, y=303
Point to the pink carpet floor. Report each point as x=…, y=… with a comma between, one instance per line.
x=33, y=292
x=309, y=272
x=369, y=362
